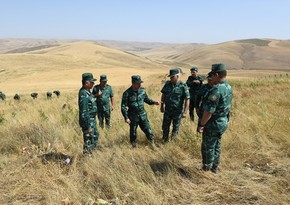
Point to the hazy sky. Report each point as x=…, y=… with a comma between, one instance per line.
x=170, y=21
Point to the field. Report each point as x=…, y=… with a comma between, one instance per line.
x=41, y=159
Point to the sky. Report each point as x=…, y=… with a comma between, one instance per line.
x=168, y=21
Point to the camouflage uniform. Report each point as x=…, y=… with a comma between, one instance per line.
x=132, y=108
x=87, y=119
x=193, y=90
x=175, y=95
x=104, y=104
x=218, y=102
x=202, y=93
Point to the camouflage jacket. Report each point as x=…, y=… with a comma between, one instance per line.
x=103, y=101
x=218, y=102
x=132, y=105
x=193, y=87
x=87, y=108
x=174, y=95
x=201, y=94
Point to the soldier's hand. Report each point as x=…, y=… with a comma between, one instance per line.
x=157, y=103
x=162, y=109
x=112, y=107
x=200, y=129
x=99, y=93
x=128, y=121
x=89, y=131
x=184, y=115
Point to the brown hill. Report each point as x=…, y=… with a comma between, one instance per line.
x=62, y=64
x=241, y=54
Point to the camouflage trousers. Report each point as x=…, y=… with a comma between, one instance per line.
x=191, y=109
x=104, y=115
x=210, y=149
x=143, y=122
x=169, y=117
x=90, y=139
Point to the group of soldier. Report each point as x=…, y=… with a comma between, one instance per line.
x=33, y=95
x=212, y=102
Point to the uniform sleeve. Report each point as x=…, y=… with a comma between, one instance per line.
x=164, y=87
x=198, y=97
x=95, y=91
x=189, y=82
x=111, y=92
x=212, y=100
x=84, y=111
x=186, y=91
x=124, y=105
x=201, y=81
x=148, y=100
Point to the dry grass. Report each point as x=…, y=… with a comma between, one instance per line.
x=36, y=136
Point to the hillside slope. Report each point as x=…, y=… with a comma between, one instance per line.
x=62, y=65
x=241, y=54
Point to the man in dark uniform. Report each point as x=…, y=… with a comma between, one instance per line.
x=105, y=101
x=194, y=83
x=175, y=96
x=203, y=91
x=214, y=122
x=87, y=113
x=133, y=110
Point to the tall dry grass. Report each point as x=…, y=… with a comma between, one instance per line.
x=37, y=136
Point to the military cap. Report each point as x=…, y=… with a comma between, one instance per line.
x=88, y=76
x=215, y=68
x=136, y=79
x=103, y=78
x=194, y=68
x=173, y=72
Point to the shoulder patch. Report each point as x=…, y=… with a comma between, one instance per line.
x=212, y=97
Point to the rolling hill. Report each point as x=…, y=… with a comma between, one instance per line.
x=259, y=54
x=39, y=65
x=61, y=64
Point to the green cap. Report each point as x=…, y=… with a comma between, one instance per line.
x=215, y=68
x=103, y=78
x=173, y=72
x=136, y=79
x=194, y=68
x=88, y=76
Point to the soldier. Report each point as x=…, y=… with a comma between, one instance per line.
x=133, y=110
x=87, y=113
x=194, y=83
x=56, y=92
x=34, y=95
x=200, y=96
x=48, y=94
x=175, y=96
x=16, y=96
x=105, y=101
x=214, y=122
x=2, y=96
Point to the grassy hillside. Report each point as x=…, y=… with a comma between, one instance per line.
x=266, y=54
x=60, y=66
x=255, y=154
